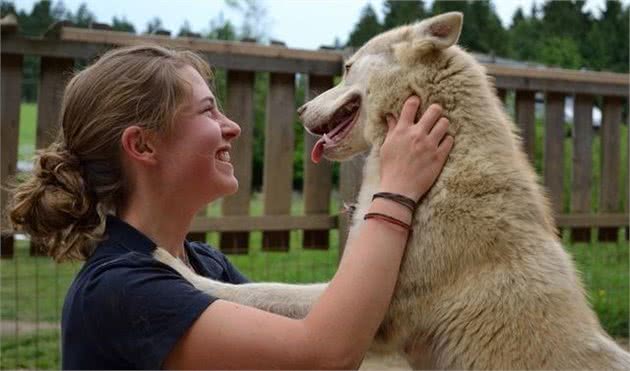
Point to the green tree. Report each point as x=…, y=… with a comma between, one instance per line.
x=39, y=20
x=525, y=35
x=606, y=43
x=83, y=17
x=565, y=18
x=154, y=26
x=7, y=7
x=560, y=52
x=256, y=22
x=221, y=29
x=482, y=30
x=367, y=27
x=185, y=29
x=399, y=13
x=122, y=24
x=487, y=32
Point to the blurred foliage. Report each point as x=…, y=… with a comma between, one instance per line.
x=555, y=33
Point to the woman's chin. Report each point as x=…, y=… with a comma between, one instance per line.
x=231, y=187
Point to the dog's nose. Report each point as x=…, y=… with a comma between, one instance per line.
x=301, y=110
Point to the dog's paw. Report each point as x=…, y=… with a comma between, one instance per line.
x=165, y=257
x=200, y=282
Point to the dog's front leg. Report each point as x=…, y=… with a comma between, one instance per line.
x=289, y=300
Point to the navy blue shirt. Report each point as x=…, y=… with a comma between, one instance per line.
x=126, y=310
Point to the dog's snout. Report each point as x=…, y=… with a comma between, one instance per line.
x=301, y=110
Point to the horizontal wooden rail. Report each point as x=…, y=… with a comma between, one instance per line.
x=325, y=221
x=266, y=223
x=88, y=43
x=522, y=83
x=233, y=58
x=559, y=74
x=199, y=44
x=593, y=220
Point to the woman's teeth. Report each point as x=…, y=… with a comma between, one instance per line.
x=223, y=156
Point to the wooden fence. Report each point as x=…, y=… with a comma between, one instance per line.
x=62, y=45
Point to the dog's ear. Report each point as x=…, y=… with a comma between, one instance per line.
x=435, y=33
x=441, y=31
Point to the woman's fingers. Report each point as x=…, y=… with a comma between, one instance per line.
x=445, y=146
x=439, y=130
x=391, y=122
x=429, y=118
x=408, y=113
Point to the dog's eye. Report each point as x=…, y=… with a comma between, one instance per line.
x=347, y=66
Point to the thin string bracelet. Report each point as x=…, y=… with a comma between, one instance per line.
x=387, y=218
x=398, y=198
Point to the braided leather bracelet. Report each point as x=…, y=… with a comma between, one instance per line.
x=400, y=199
x=387, y=218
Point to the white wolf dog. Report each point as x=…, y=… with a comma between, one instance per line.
x=485, y=282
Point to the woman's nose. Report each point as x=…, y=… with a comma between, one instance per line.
x=230, y=129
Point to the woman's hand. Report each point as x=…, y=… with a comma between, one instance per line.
x=413, y=154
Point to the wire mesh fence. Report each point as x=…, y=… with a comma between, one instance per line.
x=33, y=289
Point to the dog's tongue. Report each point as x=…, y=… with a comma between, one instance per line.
x=318, y=150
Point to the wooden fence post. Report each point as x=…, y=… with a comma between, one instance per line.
x=278, y=165
x=525, y=117
x=582, y=162
x=609, y=190
x=501, y=94
x=317, y=177
x=627, y=182
x=240, y=108
x=53, y=76
x=11, y=90
x=553, y=168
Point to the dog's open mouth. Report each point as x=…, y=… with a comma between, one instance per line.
x=337, y=128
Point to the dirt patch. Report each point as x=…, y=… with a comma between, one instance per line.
x=22, y=327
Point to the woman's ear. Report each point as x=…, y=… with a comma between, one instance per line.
x=138, y=144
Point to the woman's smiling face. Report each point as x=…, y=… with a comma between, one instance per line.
x=195, y=155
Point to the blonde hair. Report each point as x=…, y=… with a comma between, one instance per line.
x=79, y=178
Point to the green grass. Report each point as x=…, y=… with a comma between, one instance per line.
x=604, y=269
x=35, y=350
x=28, y=130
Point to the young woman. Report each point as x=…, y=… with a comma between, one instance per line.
x=142, y=147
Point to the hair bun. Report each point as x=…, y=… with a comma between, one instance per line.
x=59, y=168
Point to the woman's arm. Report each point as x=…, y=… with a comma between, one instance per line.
x=334, y=335
x=337, y=331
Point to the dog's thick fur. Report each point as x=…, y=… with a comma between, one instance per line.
x=485, y=282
